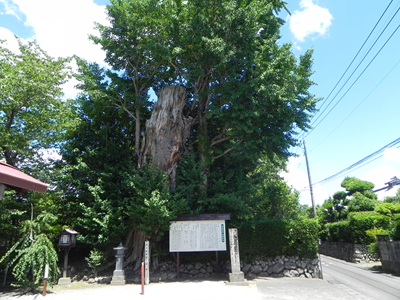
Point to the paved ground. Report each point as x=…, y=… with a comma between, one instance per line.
x=259, y=289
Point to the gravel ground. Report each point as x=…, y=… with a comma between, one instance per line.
x=193, y=290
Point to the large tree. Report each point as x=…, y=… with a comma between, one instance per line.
x=246, y=93
x=230, y=99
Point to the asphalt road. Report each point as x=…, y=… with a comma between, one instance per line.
x=360, y=280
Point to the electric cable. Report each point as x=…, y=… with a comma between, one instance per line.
x=358, y=163
x=357, y=106
x=360, y=74
x=376, y=40
x=348, y=67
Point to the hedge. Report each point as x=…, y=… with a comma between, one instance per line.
x=270, y=238
x=353, y=230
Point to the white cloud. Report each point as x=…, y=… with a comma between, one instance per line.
x=10, y=9
x=379, y=176
x=392, y=155
x=11, y=43
x=312, y=20
x=298, y=179
x=62, y=27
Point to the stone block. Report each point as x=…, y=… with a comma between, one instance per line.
x=290, y=265
x=64, y=281
x=256, y=269
x=236, y=277
x=278, y=268
x=118, y=280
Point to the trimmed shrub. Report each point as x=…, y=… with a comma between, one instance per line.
x=270, y=238
x=338, y=232
x=360, y=222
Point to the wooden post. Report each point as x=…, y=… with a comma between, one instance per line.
x=66, y=251
x=216, y=260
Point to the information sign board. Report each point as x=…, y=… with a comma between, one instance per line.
x=193, y=236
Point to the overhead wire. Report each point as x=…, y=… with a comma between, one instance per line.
x=305, y=134
x=326, y=137
x=348, y=67
x=361, y=162
x=354, y=82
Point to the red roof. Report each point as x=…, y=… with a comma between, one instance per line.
x=14, y=178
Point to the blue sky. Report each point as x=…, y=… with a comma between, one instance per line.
x=364, y=119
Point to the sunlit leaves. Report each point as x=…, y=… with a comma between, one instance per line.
x=33, y=114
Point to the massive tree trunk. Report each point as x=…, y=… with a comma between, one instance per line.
x=166, y=132
x=134, y=243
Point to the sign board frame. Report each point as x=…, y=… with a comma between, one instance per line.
x=198, y=233
x=197, y=236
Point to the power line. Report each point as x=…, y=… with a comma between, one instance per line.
x=357, y=106
x=354, y=82
x=348, y=67
x=376, y=40
x=363, y=161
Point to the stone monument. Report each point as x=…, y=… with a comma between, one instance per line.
x=119, y=275
x=237, y=276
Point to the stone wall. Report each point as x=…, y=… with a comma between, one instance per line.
x=390, y=254
x=346, y=251
x=280, y=266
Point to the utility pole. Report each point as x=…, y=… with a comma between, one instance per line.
x=309, y=179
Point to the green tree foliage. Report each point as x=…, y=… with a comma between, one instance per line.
x=395, y=199
x=357, y=197
x=355, y=215
x=359, y=202
x=95, y=260
x=353, y=185
x=33, y=251
x=33, y=115
x=246, y=94
x=104, y=194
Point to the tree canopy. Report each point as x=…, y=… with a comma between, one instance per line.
x=33, y=115
x=246, y=93
x=241, y=95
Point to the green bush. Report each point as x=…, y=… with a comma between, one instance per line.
x=338, y=232
x=28, y=260
x=269, y=238
x=94, y=260
x=395, y=232
x=357, y=228
x=360, y=222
